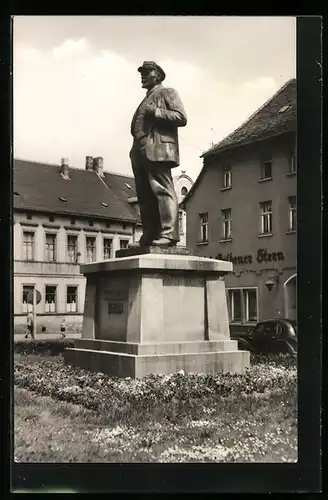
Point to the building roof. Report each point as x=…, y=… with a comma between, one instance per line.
x=275, y=117
x=40, y=187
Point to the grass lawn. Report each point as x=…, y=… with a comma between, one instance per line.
x=65, y=414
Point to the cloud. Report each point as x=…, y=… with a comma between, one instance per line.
x=71, y=48
x=73, y=101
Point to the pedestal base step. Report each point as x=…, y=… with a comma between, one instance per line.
x=120, y=364
x=157, y=348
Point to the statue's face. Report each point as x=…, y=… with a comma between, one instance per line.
x=149, y=78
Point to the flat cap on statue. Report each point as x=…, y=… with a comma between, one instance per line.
x=152, y=65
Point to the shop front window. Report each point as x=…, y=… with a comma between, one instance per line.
x=242, y=305
x=235, y=312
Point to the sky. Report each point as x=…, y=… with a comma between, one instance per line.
x=76, y=84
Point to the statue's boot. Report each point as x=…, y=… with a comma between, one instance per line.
x=143, y=242
x=164, y=242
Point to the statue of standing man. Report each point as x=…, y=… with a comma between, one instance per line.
x=154, y=153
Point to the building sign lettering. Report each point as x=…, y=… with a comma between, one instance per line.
x=240, y=259
x=115, y=294
x=262, y=256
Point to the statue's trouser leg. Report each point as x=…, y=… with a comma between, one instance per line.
x=161, y=183
x=157, y=198
x=147, y=200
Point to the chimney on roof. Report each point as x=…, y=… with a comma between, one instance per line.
x=98, y=165
x=89, y=163
x=64, y=168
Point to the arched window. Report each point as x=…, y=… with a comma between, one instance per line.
x=184, y=191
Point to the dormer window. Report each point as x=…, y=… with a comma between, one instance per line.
x=184, y=191
x=104, y=204
x=284, y=108
x=16, y=193
x=63, y=199
x=128, y=185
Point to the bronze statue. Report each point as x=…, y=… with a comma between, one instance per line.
x=154, y=153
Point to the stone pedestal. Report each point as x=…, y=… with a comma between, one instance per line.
x=160, y=311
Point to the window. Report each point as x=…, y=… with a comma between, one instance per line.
x=90, y=249
x=50, y=298
x=50, y=247
x=108, y=225
x=51, y=219
x=266, y=217
x=28, y=245
x=203, y=227
x=90, y=223
x=73, y=221
x=181, y=229
x=226, y=216
x=292, y=163
x=292, y=213
x=266, y=168
x=107, y=248
x=123, y=226
x=242, y=305
x=124, y=244
x=72, y=248
x=234, y=305
x=184, y=191
x=250, y=301
x=227, y=177
x=61, y=198
x=29, y=217
x=104, y=204
x=71, y=299
x=26, y=289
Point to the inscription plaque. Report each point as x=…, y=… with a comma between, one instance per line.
x=115, y=308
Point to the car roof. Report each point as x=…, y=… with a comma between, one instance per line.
x=277, y=320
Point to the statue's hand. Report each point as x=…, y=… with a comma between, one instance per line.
x=150, y=109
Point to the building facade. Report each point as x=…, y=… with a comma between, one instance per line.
x=64, y=217
x=242, y=208
x=182, y=183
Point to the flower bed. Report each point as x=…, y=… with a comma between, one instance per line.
x=170, y=394
x=85, y=416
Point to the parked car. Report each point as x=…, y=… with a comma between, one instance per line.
x=271, y=335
